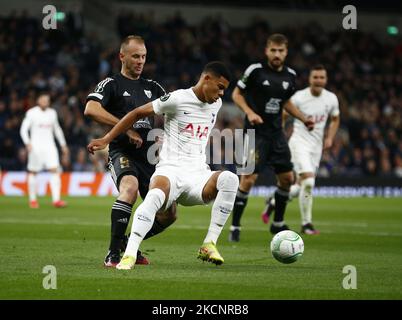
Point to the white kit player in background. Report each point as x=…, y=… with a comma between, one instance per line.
x=38, y=130
x=182, y=174
x=306, y=146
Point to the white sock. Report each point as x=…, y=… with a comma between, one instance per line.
x=227, y=185
x=306, y=200
x=294, y=191
x=278, y=223
x=143, y=220
x=32, y=186
x=55, y=186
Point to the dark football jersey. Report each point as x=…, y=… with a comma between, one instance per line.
x=120, y=95
x=265, y=91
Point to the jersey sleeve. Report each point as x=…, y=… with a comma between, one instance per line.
x=295, y=99
x=58, y=132
x=24, y=130
x=248, y=77
x=166, y=104
x=103, y=92
x=335, y=106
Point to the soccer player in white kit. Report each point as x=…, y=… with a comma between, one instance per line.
x=182, y=174
x=38, y=130
x=306, y=146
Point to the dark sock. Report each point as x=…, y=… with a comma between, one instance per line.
x=121, y=213
x=156, y=228
x=239, y=205
x=162, y=221
x=281, y=200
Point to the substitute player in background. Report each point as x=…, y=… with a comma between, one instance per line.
x=262, y=93
x=111, y=100
x=38, y=130
x=306, y=146
x=182, y=174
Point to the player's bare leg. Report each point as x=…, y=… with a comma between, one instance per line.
x=32, y=189
x=246, y=183
x=222, y=187
x=143, y=219
x=55, y=188
x=307, y=182
x=285, y=180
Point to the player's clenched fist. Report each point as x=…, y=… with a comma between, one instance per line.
x=254, y=118
x=309, y=123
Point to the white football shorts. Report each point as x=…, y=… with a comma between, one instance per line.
x=43, y=159
x=186, y=184
x=304, y=159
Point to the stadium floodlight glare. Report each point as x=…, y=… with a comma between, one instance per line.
x=392, y=30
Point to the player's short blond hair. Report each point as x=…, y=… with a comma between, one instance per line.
x=129, y=38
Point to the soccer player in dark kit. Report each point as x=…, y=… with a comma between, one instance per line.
x=111, y=100
x=262, y=93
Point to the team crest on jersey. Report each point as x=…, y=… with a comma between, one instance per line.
x=285, y=84
x=148, y=93
x=165, y=97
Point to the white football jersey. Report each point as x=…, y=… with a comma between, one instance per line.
x=188, y=125
x=39, y=128
x=319, y=108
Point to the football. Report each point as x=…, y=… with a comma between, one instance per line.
x=287, y=246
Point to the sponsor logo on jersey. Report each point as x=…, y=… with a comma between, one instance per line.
x=285, y=84
x=126, y=94
x=266, y=83
x=142, y=123
x=273, y=105
x=148, y=93
x=198, y=132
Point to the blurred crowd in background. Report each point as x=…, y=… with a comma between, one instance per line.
x=364, y=72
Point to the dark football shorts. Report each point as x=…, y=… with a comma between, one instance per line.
x=272, y=152
x=122, y=164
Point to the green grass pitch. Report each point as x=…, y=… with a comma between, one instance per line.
x=365, y=233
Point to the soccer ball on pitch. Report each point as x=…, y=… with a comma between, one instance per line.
x=287, y=246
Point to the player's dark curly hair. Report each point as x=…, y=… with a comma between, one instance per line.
x=218, y=69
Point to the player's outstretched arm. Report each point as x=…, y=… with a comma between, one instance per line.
x=295, y=112
x=95, y=111
x=122, y=126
